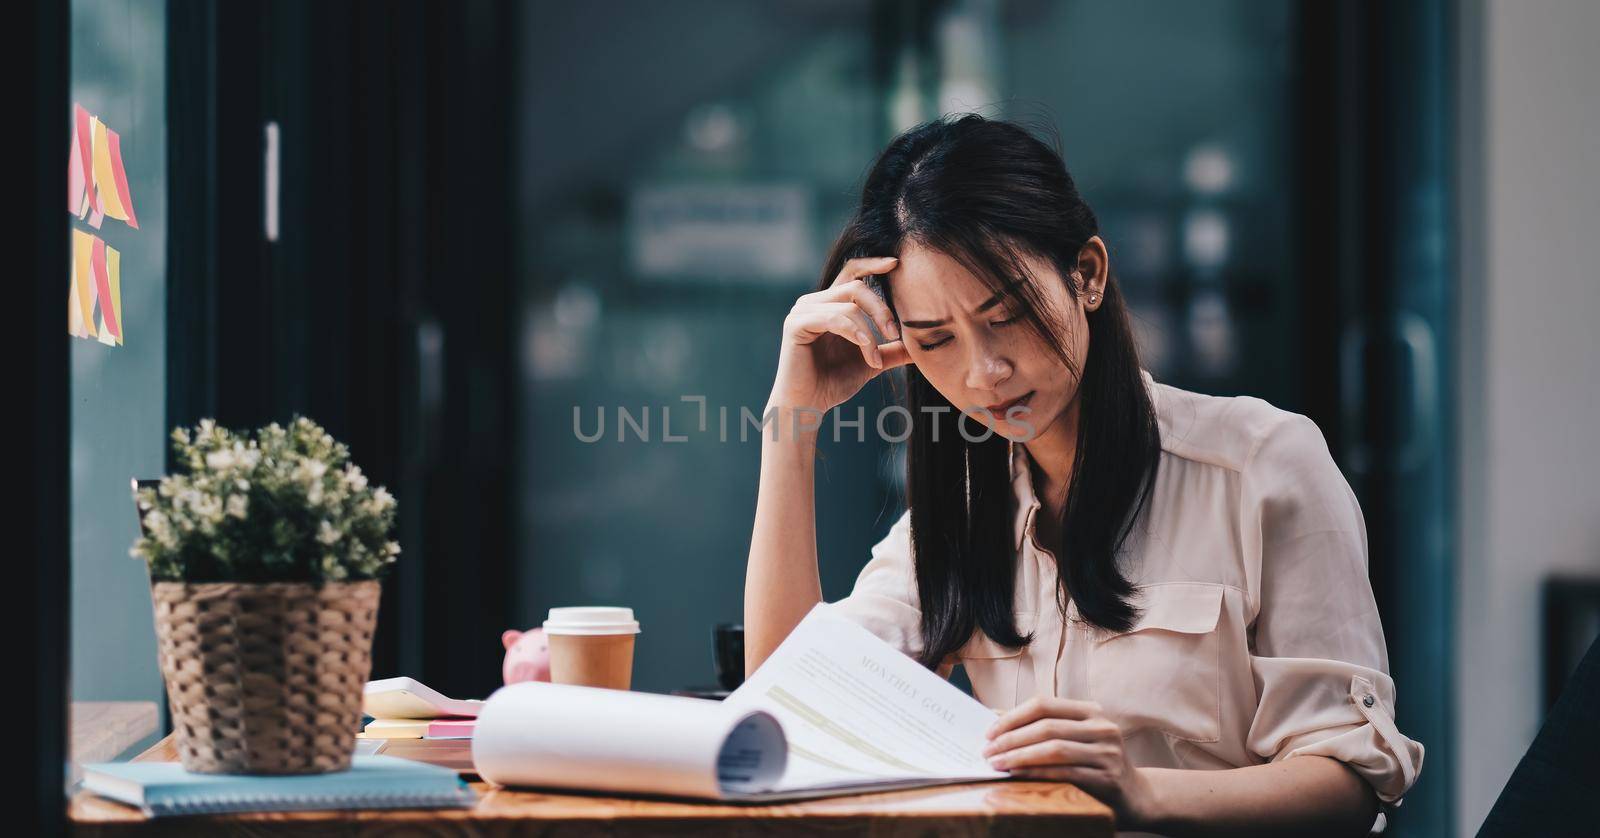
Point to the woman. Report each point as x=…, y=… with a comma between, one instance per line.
x=1163, y=593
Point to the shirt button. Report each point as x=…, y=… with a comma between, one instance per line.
x=1368, y=700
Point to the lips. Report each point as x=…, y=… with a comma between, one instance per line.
x=999, y=410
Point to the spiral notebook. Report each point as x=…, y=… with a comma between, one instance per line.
x=373, y=782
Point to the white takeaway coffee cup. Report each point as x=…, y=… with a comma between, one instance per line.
x=591, y=646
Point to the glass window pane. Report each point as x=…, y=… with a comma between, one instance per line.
x=1175, y=121
x=115, y=308
x=673, y=214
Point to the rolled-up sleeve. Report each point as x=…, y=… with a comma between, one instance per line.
x=1317, y=656
x=884, y=599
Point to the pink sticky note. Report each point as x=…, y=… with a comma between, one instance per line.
x=85, y=157
x=102, y=284
x=75, y=181
x=121, y=177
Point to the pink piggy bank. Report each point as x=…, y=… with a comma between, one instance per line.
x=527, y=656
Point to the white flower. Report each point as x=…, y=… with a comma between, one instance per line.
x=238, y=505
x=208, y=508
x=354, y=478
x=219, y=460
x=380, y=503
x=189, y=497
x=331, y=567
x=160, y=528
x=327, y=534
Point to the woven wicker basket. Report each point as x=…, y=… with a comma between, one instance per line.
x=265, y=678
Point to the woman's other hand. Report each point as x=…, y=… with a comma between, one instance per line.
x=828, y=351
x=1062, y=739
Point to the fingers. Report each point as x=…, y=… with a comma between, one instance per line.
x=894, y=354
x=1091, y=731
x=864, y=266
x=1054, y=752
x=858, y=292
x=1041, y=708
x=850, y=285
x=809, y=321
x=1088, y=777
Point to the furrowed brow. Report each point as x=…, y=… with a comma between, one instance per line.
x=930, y=324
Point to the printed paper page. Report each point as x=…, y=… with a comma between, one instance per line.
x=856, y=711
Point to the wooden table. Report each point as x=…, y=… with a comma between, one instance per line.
x=1002, y=808
x=99, y=731
x=102, y=730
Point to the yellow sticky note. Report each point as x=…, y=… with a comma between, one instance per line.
x=75, y=326
x=83, y=284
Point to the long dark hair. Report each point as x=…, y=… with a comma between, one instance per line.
x=988, y=194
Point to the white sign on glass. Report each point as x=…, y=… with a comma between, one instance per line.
x=706, y=231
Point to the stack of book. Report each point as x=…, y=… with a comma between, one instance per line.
x=405, y=708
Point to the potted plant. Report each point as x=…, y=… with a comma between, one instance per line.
x=265, y=552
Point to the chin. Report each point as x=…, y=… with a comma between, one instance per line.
x=1039, y=420
x=1017, y=434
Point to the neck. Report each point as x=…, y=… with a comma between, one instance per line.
x=1052, y=453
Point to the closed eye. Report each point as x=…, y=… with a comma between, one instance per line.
x=946, y=339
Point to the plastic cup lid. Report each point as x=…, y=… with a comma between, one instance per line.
x=591, y=620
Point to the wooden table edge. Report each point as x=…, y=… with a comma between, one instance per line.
x=1014, y=807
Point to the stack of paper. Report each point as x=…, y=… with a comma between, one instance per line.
x=405, y=708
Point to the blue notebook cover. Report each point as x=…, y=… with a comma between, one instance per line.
x=373, y=782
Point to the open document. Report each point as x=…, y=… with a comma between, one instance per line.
x=835, y=710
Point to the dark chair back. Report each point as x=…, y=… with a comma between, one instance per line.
x=1554, y=792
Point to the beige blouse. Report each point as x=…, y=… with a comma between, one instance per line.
x=1259, y=638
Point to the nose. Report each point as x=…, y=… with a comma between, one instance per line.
x=987, y=369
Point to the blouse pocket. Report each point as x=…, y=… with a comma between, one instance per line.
x=995, y=671
x=1165, y=672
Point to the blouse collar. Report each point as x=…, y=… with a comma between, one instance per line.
x=1022, y=476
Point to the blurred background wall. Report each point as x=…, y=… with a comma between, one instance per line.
x=1529, y=349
